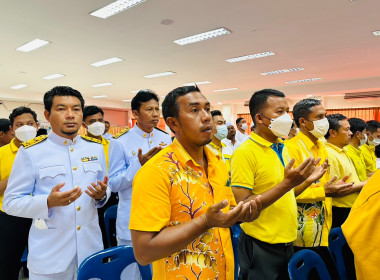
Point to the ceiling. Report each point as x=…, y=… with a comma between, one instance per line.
x=332, y=40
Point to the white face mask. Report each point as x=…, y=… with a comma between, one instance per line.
x=96, y=128
x=244, y=126
x=222, y=132
x=320, y=128
x=374, y=142
x=363, y=141
x=281, y=126
x=25, y=133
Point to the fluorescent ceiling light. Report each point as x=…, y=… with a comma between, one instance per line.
x=220, y=103
x=251, y=56
x=53, y=76
x=19, y=86
x=134, y=91
x=100, y=96
x=303, y=81
x=226, y=89
x=103, y=85
x=197, y=83
x=281, y=71
x=376, y=33
x=202, y=36
x=115, y=8
x=126, y=100
x=33, y=45
x=160, y=74
x=107, y=61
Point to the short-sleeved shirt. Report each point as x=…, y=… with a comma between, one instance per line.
x=314, y=209
x=357, y=158
x=224, y=153
x=172, y=189
x=258, y=165
x=7, y=156
x=340, y=165
x=369, y=157
x=362, y=230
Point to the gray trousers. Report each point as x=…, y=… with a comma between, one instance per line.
x=263, y=261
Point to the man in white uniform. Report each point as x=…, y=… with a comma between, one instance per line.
x=59, y=180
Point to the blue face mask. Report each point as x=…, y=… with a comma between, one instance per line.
x=222, y=132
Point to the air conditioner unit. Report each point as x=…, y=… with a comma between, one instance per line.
x=362, y=95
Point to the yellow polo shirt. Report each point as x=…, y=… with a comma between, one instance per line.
x=172, y=189
x=357, y=158
x=7, y=156
x=362, y=230
x=258, y=165
x=369, y=157
x=314, y=208
x=340, y=165
x=224, y=153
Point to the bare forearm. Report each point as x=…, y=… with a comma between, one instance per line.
x=358, y=187
x=3, y=186
x=149, y=247
x=300, y=188
x=267, y=198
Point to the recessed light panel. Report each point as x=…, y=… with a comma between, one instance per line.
x=376, y=33
x=281, y=71
x=160, y=74
x=303, y=81
x=226, y=89
x=19, y=86
x=53, y=76
x=102, y=85
x=251, y=56
x=107, y=61
x=127, y=100
x=202, y=36
x=115, y=8
x=33, y=45
x=197, y=83
x=100, y=96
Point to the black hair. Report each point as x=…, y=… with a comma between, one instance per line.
x=377, y=151
x=238, y=120
x=22, y=110
x=143, y=96
x=259, y=100
x=107, y=122
x=303, y=108
x=42, y=131
x=4, y=125
x=170, y=107
x=91, y=110
x=334, y=120
x=357, y=124
x=373, y=126
x=216, y=113
x=61, y=91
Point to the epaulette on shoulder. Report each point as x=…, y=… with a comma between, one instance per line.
x=34, y=141
x=161, y=130
x=91, y=139
x=117, y=135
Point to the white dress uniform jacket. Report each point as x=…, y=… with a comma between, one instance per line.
x=58, y=234
x=123, y=166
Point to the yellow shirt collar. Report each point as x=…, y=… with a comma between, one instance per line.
x=344, y=150
x=183, y=156
x=13, y=146
x=260, y=140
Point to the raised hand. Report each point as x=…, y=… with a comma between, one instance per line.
x=143, y=158
x=97, y=191
x=58, y=198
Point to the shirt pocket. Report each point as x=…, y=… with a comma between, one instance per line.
x=52, y=171
x=93, y=167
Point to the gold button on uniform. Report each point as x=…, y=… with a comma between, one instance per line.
x=78, y=208
x=74, y=168
x=150, y=141
x=78, y=227
x=71, y=149
x=144, y=135
x=65, y=143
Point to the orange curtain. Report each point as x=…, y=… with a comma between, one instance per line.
x=248, y=119
x=366, y=114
